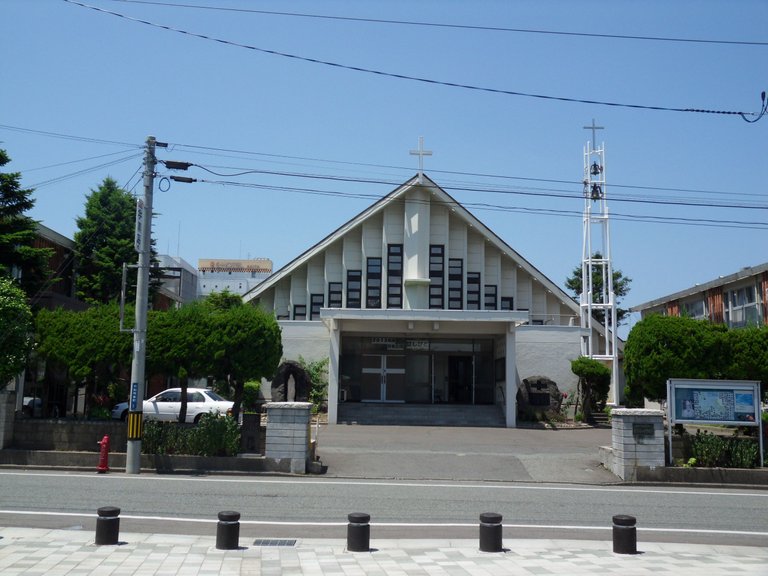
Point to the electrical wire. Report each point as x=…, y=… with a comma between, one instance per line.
x=450, y=26
x=71, y=175
x=208, y=150
x=68, y=136
x=743, y=115
x=518, y=191
x=718, y=223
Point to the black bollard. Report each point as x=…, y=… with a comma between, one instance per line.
x=490, y=532
x=359, y=532
x=624, y=534
x=107, y=525
x=228, y=531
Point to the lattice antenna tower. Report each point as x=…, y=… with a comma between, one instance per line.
x=596, y=267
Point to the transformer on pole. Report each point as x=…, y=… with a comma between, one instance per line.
x=596, y=267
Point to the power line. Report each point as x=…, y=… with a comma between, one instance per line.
x=748, y=116
x=83, y=171
x=545, y=193
x=67, y=136
x=719, y=222
x=212, y=150
x=450, y=26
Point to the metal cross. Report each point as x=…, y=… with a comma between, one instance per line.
x=421, y=153
x=593, y=128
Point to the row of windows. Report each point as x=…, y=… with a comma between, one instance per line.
x=740, y=307
x=394, y=288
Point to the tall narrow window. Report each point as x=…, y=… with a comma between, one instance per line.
x=436, y=276
x=473, y=290
x=455, y=283
x=507, y=303
x=490, y=297
x=354, y=288
x=299, y=312
x=395, y=276
x=373, y=284
x=316, y=302
x=334, y=294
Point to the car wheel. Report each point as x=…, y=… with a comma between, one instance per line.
x=197, y=418
x=124, y=415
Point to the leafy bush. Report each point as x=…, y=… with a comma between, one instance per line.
x=743, y=453
x=214, y=435
x=318, y=373
x=165, y=438
x=251, y=396
x=710, y=451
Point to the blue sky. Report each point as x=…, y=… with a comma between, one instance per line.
x=106, y=83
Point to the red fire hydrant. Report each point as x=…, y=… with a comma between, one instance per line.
x=103, y=455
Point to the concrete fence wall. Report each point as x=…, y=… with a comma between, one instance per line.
x=68, y=435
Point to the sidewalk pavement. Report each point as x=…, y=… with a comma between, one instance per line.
x=32, y=551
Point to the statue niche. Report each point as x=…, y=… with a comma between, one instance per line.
x=302, y=383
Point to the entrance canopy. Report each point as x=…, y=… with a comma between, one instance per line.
x=421, y=356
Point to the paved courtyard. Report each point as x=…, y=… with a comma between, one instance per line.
x=568, y=455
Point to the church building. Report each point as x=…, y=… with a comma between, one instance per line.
x=416, y=302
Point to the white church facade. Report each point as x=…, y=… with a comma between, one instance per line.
x=415, y=301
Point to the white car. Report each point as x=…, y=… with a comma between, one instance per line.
x=166, y=405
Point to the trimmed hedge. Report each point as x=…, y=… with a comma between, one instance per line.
x=214, y=435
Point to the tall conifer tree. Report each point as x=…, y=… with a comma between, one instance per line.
x=19, y=259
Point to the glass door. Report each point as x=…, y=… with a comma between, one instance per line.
x=383, y=378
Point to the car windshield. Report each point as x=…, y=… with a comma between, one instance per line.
x=213, y=396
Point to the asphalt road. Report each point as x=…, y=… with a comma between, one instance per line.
x=416, y=482
x=317, y=507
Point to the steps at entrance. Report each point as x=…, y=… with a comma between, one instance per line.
x=487, y=416
x=600, y=419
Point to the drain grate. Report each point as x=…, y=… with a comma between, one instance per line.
x=274, y=542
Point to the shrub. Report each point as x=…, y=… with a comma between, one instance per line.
x=708, y=449
x=165, y=438
x=318, y=373
x=743, y=453
x=214, y=435
x=251, y=396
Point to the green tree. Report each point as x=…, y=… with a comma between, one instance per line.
x=620, y=289
x=234, y=344
x=663, y=347
x=104, y=242
x=245, y=344
x=18, y=256
x=223, y=300
x=15, y=330
x=88, y=343
x=594, y=383
x=176, y=345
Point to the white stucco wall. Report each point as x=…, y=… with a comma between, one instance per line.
x=306, y=339
x=548, y=351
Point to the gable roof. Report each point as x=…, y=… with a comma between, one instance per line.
x=399, y=192
x=744, y=273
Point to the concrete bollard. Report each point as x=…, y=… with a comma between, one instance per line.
x=107, y=525
x=624, y=534
x=359, y=532
x=490, y=532
x=228, y=531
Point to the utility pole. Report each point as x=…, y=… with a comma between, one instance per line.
x=143, y=247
